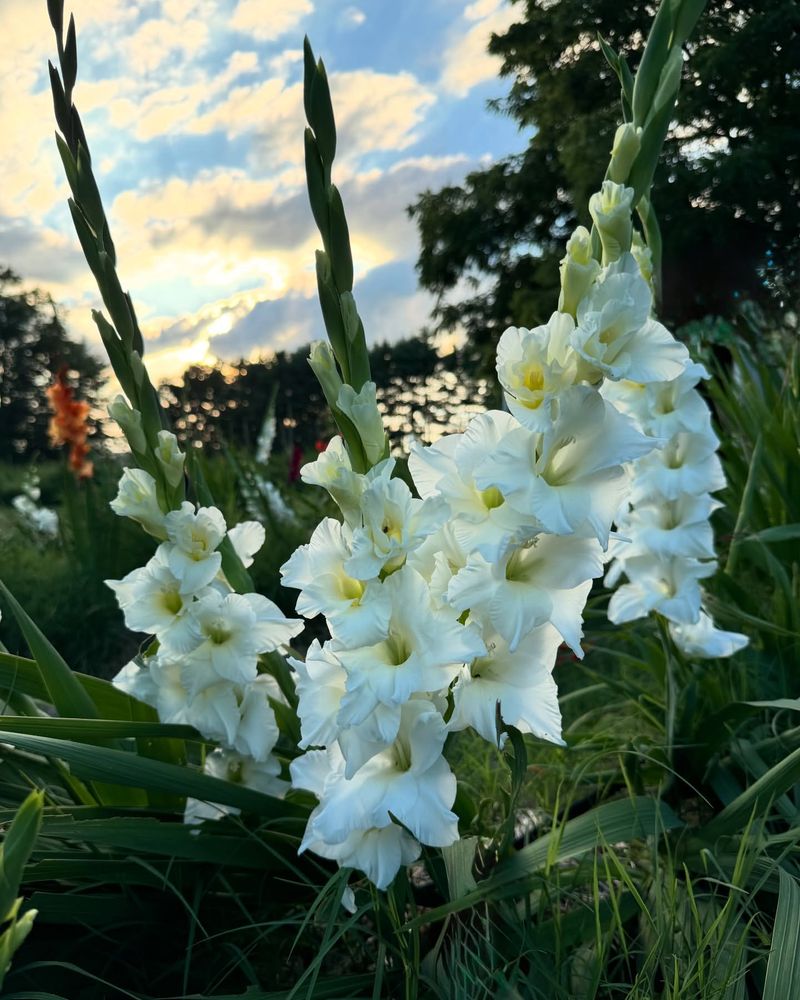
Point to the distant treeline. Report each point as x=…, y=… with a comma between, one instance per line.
x=419, y=391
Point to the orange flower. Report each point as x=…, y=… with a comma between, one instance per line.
x=68, y=425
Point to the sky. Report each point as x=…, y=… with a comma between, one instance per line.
x=194, y=117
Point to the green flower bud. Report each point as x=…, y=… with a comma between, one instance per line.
x=627, y=143
x=362, y=408
x=643, y=257
x=130, y=422
x=323, y=364
x=170, y=457
x=578, y=271
x=610, y=208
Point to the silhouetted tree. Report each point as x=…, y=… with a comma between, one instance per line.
x=727, y=190
x=33, y=346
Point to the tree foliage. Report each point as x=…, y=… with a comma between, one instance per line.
x=727, y=190
x=33, y=346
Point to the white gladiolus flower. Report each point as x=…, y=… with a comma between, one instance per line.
x=151, y=601
x=669, y=528
x=687, y=464
x=571, y=477
x=137, y=499
x=481, y=520
x=522, y=683
x=362, y=408
x=247, y=539
x=704, y=640
x=320, y=686
x=379, y=852
x=437, y=560
x=231, y=631
x=616, y=335
x=171, y=699
x=663, y=408
x=136, y=680
x=214, y=712
x=320, y=683
x=546, y=581
x=410, y=779
x=332, y=470
x=668, y=586
x=257, y=732
x=227, y=765
x=43, y=520
x=357, y=613
x=423, y=651
x=535, y=367
x=393, y=524
x=194, y=537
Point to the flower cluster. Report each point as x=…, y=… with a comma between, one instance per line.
x=42, y=520
x=667, y=544
x=446, y=610
x=203, y=669
x=68, y=425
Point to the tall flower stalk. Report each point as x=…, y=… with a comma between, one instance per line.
x=206, y=664
x=446, y=610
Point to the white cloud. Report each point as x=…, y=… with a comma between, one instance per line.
x=219, y=259
x=467, y=61
x=160, y=40
x=267, y=20
x=353, y=17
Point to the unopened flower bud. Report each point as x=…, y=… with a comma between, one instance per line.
x=643, y=257
x=130, y=422
x=578, y=271
x=610, y=208
x=170, y=457
x=323, y=364
x=362, y=408
x=627, y=143
x=137, y=499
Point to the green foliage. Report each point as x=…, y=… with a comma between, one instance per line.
x=60, y=582
x=14, y=853
x=726, y=190
x=654, y=859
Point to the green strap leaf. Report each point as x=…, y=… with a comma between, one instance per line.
x=20, y=675
x=16, y=849
x=96, y=730
x=783, y=965
x=64, y=689
x=769, y=786
x=620, y=820
x=121, y=768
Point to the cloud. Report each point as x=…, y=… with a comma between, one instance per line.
x=39, y=254
x=268, y=21
x=162, y=39
x=352, y=17
x=467, y=61
x=195, y=119
x=227, y=262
